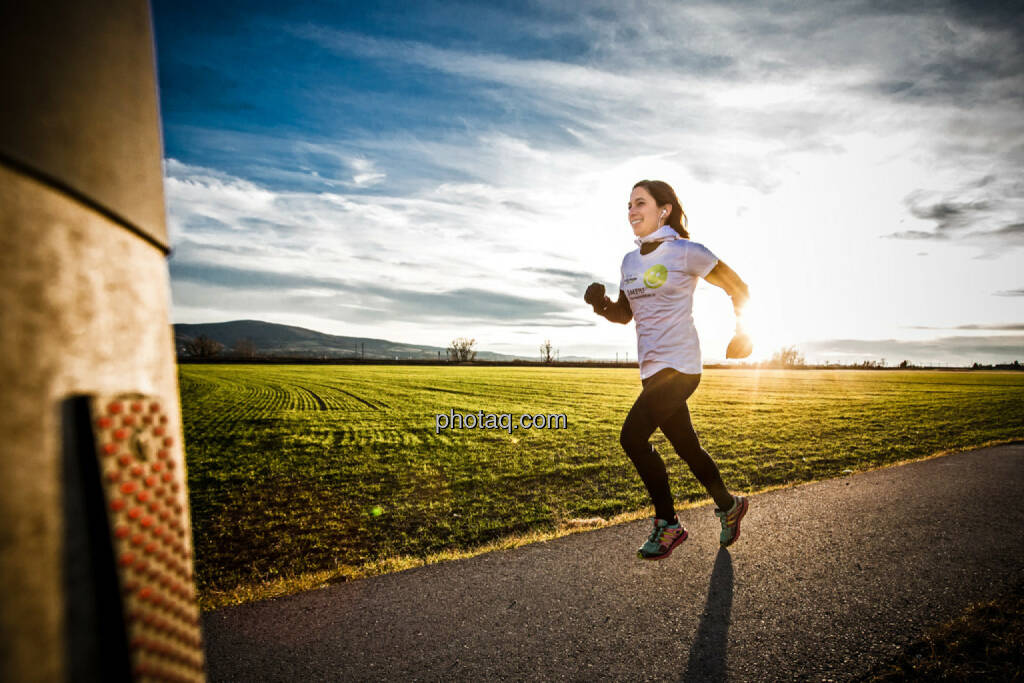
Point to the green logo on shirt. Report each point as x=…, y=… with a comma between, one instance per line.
x=655, y=276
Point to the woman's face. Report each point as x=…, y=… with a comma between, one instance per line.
x=644, y=213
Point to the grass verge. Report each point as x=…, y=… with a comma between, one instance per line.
x=280, y=586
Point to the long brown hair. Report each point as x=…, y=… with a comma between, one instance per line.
x=664, y=194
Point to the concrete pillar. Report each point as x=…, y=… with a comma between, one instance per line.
x=84, y=291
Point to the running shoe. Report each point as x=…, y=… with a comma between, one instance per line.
x=662, y=540
x=731, y=521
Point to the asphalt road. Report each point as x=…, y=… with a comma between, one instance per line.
x=827, y=579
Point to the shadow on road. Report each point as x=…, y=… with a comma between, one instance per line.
x=707, y=656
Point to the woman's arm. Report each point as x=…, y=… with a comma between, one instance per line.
x=617, y=312
x=740, y=346
x=725, y=277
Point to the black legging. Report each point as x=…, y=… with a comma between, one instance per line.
x=662, y=403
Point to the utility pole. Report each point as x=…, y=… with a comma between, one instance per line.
x=82, y=232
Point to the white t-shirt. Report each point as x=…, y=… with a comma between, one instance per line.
x=659, y=286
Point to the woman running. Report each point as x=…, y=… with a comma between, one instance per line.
x=656, y=290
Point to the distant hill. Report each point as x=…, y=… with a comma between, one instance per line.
x=271, y=339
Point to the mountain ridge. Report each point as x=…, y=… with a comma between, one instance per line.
x=276, y=339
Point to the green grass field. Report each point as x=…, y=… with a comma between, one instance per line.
x=300, y=475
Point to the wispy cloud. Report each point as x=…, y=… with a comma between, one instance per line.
x=980, y=214
x=1007, y=327
x=954, y=350
x=290, y=247
x=316, y=295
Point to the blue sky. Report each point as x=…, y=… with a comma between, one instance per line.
x=425, y=170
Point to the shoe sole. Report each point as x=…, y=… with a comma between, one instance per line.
x=680, y=539
x=735, y=537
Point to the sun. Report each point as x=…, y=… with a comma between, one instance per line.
x=762, y=322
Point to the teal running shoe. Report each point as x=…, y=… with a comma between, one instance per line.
x=662, y=540
x=731, y=521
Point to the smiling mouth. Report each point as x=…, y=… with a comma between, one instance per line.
x=634, y=222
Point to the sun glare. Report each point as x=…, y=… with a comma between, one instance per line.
x=762, y=324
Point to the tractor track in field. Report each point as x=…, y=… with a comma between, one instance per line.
x=361, y=400
x=320, y=402
x=364, y=401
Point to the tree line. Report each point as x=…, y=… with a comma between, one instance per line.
x=461, y=350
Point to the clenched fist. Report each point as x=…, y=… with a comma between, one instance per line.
x=739, y=347
x=595, y=296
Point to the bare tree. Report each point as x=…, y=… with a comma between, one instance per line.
x=203, y=347
x=787, y=357
x=547, y=351
x=461, y=349
x=245, y=348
